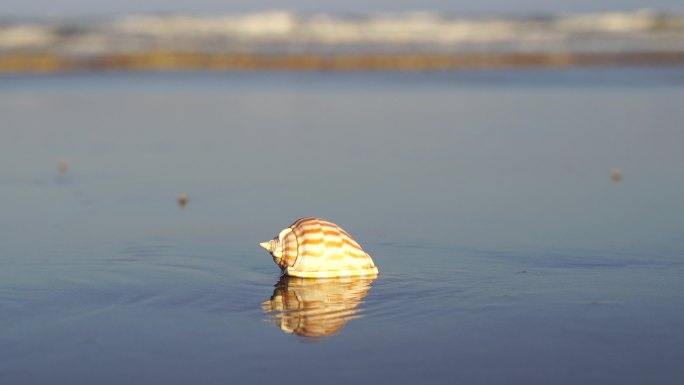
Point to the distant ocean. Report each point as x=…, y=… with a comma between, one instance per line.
x=233, y=41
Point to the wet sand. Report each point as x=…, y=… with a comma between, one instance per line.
x=180, y=61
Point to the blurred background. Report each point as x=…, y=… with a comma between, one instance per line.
x=83, y=7
x=513, y=167
x=324, y=36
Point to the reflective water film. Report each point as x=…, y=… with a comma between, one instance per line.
x=527, y=226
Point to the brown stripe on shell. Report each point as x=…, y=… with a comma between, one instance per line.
x=290, y=249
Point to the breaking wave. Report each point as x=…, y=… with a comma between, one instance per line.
x=287, y=32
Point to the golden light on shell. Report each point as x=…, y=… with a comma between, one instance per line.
x=316, y=308
x=317, y=248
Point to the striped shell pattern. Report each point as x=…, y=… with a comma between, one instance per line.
x=314, y=247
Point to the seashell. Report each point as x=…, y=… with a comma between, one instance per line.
x=316, y=308
x=316, y=248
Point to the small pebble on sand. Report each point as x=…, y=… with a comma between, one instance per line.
x=182, y=199
x=63, y=166
x=616, y=175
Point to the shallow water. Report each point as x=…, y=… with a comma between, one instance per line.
x=506, y=253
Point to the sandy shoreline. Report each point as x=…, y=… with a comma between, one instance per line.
x=17, y=63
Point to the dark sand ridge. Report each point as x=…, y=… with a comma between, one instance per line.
x=179, y=61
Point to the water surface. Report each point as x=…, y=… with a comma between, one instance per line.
x=506, y=253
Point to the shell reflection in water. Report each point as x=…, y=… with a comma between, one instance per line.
x=316, y=307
